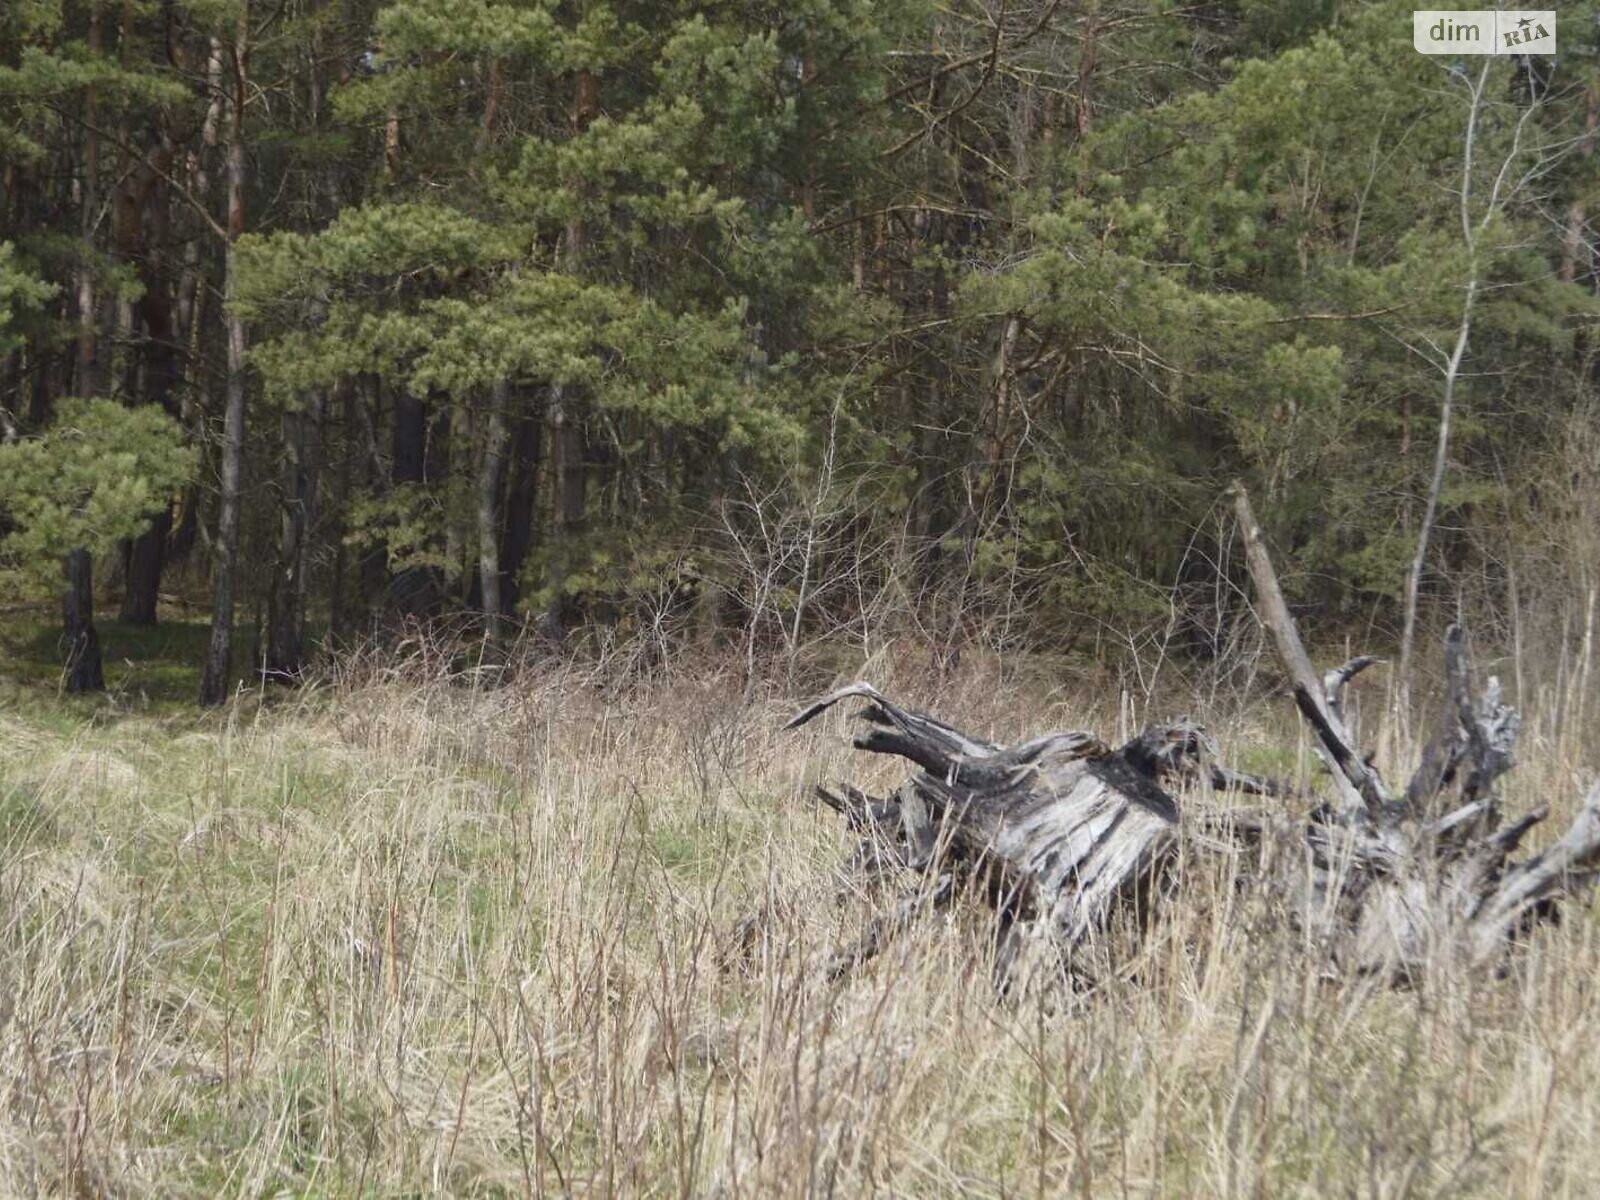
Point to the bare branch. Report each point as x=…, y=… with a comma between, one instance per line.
x=1360, y=790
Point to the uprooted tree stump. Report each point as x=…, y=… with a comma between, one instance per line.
x=1060, y=835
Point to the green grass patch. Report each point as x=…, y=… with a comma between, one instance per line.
x=145, y=665
x=26, y=821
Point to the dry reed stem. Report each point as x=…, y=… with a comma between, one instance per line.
x=411, y=935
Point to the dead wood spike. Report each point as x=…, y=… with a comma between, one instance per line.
x=1411, y=887
x=1360, y=789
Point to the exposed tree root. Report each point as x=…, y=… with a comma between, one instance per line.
x=1061, y=834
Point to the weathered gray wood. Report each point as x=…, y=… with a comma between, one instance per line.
x=936, y=734
x=1527, y=884
x=1443, y=752
x=1059, y=834
x=1056, y=832
x=1478, y=737
x=1413, y=888
x=1333, y=682
x=1360, y=789
x=1492, y=729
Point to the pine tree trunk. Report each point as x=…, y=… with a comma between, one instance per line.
x=191, y=303
x=489, y=477
x=159, y=351
x=453, y=439
x=410, y=436
x=413, y=591
x=219, y=656
x=83, y=668
x=372, y=571
x=340, y=623
x=527, y=446
x=84, y=672
x=87, y=381
x=142, y=573
x=570, y=490
x=285, y=652
x=570, y=484
x=41, y=399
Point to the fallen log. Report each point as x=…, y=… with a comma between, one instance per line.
x=1061, y=835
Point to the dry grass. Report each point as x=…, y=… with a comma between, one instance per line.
x=407, y=936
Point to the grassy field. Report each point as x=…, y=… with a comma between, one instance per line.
x=407, y=934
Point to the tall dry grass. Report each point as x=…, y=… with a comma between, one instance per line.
x=414, y=934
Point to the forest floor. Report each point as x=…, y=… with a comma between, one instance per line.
x=400, y=934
